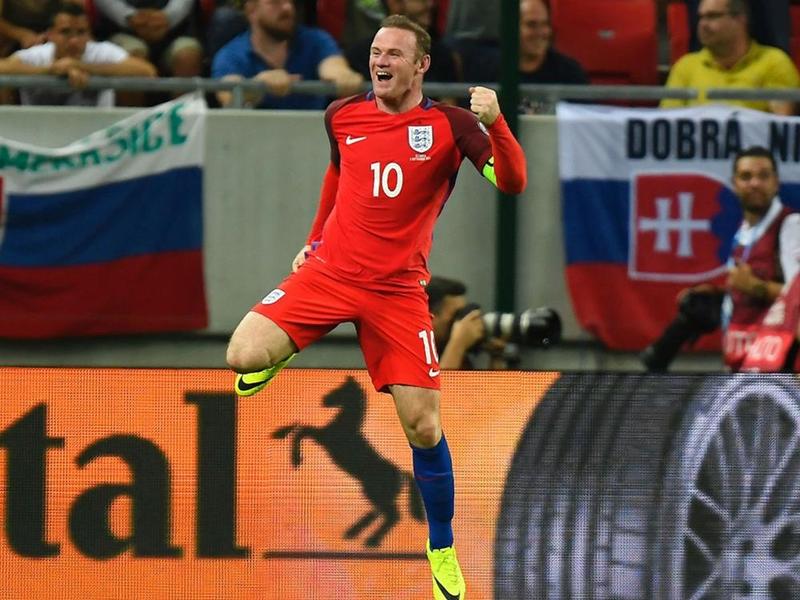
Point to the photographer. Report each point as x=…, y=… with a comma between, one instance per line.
x=764, y=254
x=458, y=328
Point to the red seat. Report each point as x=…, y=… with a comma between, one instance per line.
x=442, y=6
x=677, y=30
x=91, y=13
x=331, y=16
x=206, y=8
x=615, y=41
x=794, y=40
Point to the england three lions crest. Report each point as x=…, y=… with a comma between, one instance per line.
x=420, y=137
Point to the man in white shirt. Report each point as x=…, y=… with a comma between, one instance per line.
x=71, y=53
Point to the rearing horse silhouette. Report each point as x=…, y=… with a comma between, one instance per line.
x=381, y=480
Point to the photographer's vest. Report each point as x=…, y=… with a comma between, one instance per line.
x=763, y=256
x=774, y=348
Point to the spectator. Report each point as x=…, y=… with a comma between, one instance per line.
x=23, y=23
x=72, y=53
x=363, y=19
x=770, y=23
x=539, y=62
x=730, y=58
x=458, y=327
x=765, y=254
x=157, y=30
x=227, y=21
x=443, y=63
x=277, y=52
x=473, y=32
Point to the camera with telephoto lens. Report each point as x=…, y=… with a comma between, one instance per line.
x=534, y=328
x=698, y=313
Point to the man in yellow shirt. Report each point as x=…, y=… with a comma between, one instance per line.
x=731, y=59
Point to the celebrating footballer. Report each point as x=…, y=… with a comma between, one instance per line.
x=394, y=157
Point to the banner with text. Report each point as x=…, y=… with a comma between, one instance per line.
x=105, y=235
x=136, y=483
x=648, y=208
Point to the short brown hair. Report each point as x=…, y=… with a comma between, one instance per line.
x=403, y=22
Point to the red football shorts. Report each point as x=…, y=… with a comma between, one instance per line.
x=394, y=328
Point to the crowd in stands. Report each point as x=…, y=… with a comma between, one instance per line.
x=721, y=43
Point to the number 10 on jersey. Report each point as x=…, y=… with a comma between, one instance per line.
x=382, y=177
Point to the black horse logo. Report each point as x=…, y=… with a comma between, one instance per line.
x=381, y=480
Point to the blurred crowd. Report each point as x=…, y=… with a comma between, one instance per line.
x=713, y=43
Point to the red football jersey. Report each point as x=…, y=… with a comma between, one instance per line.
x=395, y=174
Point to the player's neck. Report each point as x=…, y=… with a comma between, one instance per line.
x=406, y=102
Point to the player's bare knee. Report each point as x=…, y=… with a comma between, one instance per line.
x=244, y=359
x=425, y=432
x=235, y=358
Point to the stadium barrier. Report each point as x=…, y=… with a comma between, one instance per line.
x=123, y=483
x=545, y=92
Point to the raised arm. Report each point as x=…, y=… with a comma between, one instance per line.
x=506, y=168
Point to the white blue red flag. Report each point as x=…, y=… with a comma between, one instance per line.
x=105, y=235
x=648, y=209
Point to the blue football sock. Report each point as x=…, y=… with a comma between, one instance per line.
x=433, y=471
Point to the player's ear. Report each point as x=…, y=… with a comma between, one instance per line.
x=424, y=63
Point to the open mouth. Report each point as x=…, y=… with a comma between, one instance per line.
x=383, y=75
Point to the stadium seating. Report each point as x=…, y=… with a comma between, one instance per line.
x=677, y=30
x=615, y=41
x=331, y=16
x=91, y=12
x=794, y=40
x=442, y=7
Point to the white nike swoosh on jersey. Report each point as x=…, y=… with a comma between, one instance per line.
x=353, y=140
x=433, y=372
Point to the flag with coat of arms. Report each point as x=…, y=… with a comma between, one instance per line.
x=648, y=207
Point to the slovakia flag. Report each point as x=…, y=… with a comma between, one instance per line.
x=104, y=236
x=648, y=208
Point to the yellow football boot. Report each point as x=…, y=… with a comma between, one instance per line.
x=248, y=384
x=448, y=582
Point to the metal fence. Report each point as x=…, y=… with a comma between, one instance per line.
x=545, y=93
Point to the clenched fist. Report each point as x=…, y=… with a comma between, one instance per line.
x=483, y=102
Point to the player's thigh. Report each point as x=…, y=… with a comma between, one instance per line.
x=308, y=304
x=396, y=337
x=258, y=342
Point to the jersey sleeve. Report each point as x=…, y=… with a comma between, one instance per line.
x=330, y=182
x=495, y=152
x=507, y=165
x=472, y=138
x=327, y=200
